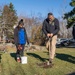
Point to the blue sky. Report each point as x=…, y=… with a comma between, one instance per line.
x=34, y=7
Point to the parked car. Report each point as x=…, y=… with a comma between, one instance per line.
x=71, y=43
x=65, y=42
x=62, y=42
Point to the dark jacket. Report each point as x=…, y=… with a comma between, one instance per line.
x=50, y=28
x=16, y=38
x=73, y=32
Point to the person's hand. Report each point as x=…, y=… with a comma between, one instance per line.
x=48, y=35
x=51, y=34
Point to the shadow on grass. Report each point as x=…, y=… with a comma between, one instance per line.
x=13, y=55
x=71, y=73
x=66, y=57
x=37, y=56
x=0, y=58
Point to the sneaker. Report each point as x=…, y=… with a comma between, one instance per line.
x=18, y=59
x=50, y=60
x=48, y=65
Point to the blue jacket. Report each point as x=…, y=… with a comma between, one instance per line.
x=20, y=36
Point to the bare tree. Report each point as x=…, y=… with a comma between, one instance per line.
x=64, y=32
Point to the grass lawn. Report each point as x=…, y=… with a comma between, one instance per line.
x=64, y=63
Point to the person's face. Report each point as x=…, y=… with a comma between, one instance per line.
x=51, y=17
x=21, y=25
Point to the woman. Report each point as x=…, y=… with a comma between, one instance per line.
x=20, y=38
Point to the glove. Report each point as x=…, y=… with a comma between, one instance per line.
x=19, y=47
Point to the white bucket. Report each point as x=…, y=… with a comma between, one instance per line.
x=24, y=60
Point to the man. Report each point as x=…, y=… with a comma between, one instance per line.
x=73, y=32
x=51, y=29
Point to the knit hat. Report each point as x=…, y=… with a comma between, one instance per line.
x=50, y=13
x=21, y=22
